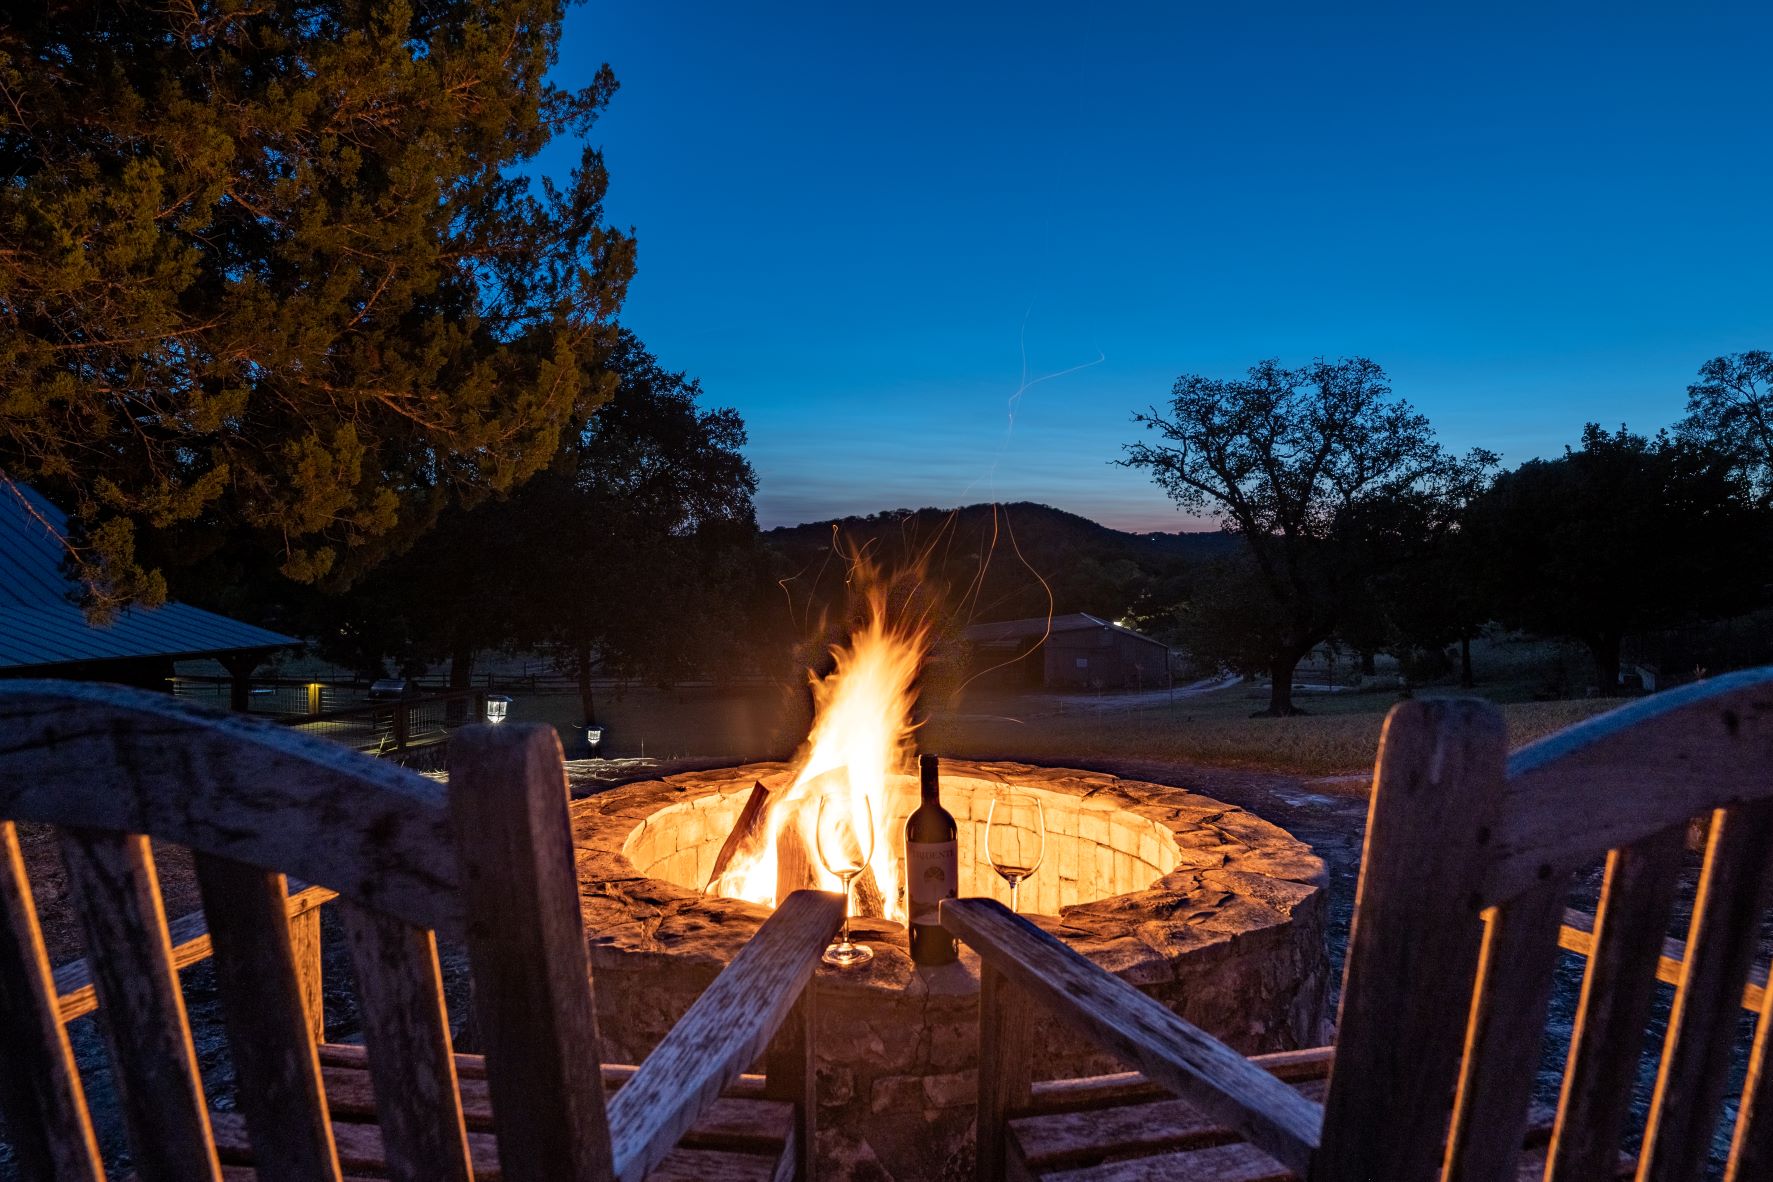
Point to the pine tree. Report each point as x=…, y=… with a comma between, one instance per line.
x=272, y=275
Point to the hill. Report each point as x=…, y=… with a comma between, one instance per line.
x=995, y=562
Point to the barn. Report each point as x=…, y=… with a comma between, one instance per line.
x=1069, y=652
x=44, y=632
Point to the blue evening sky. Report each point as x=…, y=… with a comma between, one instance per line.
x=863, y=224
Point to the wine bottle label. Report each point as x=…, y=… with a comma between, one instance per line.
x=932, y=870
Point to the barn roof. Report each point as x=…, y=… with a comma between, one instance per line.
x=41, y=622
x=1035, y=627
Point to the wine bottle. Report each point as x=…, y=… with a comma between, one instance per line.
x=932, y=870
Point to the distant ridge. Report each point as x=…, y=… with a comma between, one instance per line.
x=1025, y=550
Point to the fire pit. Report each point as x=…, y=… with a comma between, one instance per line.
x=1209, y=909
x=1214, y=912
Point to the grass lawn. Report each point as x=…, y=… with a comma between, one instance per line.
x=1340, y=734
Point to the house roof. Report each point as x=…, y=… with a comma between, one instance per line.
x=1006, y=631
x=41, y=622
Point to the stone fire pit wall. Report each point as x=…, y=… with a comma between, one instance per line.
x=1213, y=911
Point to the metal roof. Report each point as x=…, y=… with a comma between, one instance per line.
x=1004, y=631
x=41, y=622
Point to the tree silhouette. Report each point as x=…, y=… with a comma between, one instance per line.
x=1625, y=534
x=1289, y=458
x=273, y=274
x=1730, y=409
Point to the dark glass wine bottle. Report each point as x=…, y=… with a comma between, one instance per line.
x=932, y=870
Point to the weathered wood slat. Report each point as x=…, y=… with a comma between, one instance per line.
x=726, y=1029
x=526, y=949
x=1721, y=941
x=1138, y=1030
x=1618, y=990
x=1751, y=1146
x=1071, y=1139
x=361, y=1146
x=111, y=876
x=105, y=757
x=790, y=1072
x=1503, y=1038
x=189, y=936
x=406, y=1028
x=1132, y=1087
x=305, y=945
x=1619, y=777
x=1577, y=935
x=1006, y=1014
x=748, y=1086
x=41, y=1099
x=1413, y=948
x=277, y=1073
x=1218, y=1163
x=743, y=1124
x=362, y=1149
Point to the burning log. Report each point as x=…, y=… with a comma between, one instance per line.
x=747, y=833
x=797, y=869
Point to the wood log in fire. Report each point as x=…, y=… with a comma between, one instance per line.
x=797, y=869
x=748, y=833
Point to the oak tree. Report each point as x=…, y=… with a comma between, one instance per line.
x=1290, y=459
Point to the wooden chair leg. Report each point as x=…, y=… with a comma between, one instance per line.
x=790, y=1076
x=1006, y=1018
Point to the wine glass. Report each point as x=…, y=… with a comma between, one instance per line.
x=846, y=844
x=1016, y=838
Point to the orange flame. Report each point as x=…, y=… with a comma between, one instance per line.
x=861, y=740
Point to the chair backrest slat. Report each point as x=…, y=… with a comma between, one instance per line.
x=1621, y=776
x=1751, y=1150
x=526, y=949
x=1414, y=943
x=117, y=895
x=1618, y=990
x=277, y=1071
x=1503, y=1038
x=1721, y=943
x=411, y=1061
x=41, y=1099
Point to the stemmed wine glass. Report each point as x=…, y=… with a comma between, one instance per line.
x=846, y=844
x=1016, y=838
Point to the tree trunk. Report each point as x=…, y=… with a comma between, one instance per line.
x=1606, y=664
x=1466, y=681
x=1280, y=695
x=461, y=677
x=587, y=701
x=461, y=666
x=1368, y=667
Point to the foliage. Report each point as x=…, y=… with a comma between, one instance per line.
x=1730, y=409
x=272, y=276
x=1625, y=534
x=998, y=562
x=635, y=553
x=1299, y=462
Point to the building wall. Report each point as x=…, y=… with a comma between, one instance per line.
x=1103, y=658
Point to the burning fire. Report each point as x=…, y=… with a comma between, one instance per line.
x=860, y=739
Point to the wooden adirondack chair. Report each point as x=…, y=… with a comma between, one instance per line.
x=1458, y=923
x=489, y=862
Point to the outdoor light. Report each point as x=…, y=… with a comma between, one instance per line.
x=498, y=707
x=593, y=737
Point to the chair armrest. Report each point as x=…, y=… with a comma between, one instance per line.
x=722, y=1034
x=1141, y=1032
